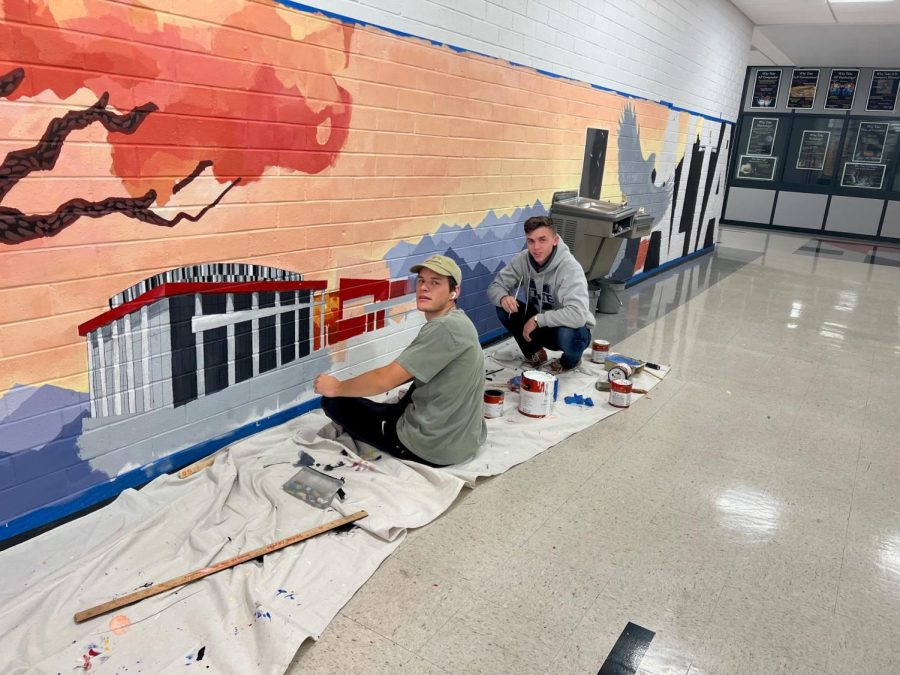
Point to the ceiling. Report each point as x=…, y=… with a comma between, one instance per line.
x=823, y=32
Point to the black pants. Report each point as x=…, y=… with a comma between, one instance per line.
x=372, y=423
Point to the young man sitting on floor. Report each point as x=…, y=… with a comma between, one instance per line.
x=556, y=314
x=439, y=421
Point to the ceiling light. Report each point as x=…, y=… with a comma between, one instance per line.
x=835, y=2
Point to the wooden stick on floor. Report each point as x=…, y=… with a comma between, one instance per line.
x=218, y=567
x=196, y=466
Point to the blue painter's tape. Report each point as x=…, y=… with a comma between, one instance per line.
x=462, y=50
x=553, y=75
x=637, y=278
x=137, y=477
x=713, y=118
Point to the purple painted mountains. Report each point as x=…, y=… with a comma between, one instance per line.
x=480, y=252
x=32, y=417
x=39, y=461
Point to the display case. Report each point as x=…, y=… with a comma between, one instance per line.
x=868, y=157
x=760, y=148
x=816, y=149
x=812, y=154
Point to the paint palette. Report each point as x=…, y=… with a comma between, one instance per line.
x=314, y=487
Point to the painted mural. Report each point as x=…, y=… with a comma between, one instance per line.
x=201, y=208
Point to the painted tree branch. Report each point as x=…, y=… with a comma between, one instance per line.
x=10, y=82
x=16, y=227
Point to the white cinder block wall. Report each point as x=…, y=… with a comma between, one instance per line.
x=690, y=53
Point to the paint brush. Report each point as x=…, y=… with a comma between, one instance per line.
x=514, y=297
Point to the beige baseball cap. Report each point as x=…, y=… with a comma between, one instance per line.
x=442, y=265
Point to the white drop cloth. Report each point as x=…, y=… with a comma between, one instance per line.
x=253, y=617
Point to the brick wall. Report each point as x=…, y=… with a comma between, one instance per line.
x=692, y=54
x=140, y=139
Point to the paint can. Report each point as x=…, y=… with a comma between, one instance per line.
x=537, y=393
x=493, y=403
x=599, y=351
x=620, y=393
x=621, y=371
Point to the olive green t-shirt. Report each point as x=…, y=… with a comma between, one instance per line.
x=444, y=422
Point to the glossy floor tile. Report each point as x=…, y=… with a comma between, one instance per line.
x=746, y=512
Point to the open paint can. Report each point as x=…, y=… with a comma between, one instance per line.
x=599, y=351
x=620, y=393
x=620, y=371
x=493, y=403
x=537, y=393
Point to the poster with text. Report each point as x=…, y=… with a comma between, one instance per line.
x=754, y=167
x=813, y=148
x=804, y=82
x=883, y=92
x=864, y=176
x=765, y=89
x=762, y=136
x=870, y=140
x=841, y=89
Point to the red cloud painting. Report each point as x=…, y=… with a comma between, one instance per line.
x=174, y=100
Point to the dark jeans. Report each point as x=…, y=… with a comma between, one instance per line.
x=372, y=423
x=570, y=341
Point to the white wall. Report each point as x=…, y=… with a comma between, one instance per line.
x=691, y=53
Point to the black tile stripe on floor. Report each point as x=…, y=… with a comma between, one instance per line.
x=629, y=650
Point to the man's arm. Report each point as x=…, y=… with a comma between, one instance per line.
x=373, y=382
x=504, y=285
x=572, y=301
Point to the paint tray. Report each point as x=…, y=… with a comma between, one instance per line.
x=614, y=360
x=314, y=487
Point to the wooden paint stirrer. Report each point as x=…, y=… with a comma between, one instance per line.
x=218, y=567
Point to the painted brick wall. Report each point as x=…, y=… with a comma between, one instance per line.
x=692, y=54
x=143, y=140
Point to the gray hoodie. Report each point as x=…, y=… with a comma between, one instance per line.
x=559, y=291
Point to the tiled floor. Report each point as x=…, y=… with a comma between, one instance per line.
x=748, y=513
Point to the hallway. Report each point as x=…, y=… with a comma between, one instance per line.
x=746, y=512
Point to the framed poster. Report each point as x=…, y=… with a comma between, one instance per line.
x=883, y=92
x=870, y=141
x=765, y=89
x=842, y=89
x=813, y=148
x=865, y=176
x=804, y=82
x=754, y=167
x=762, y=136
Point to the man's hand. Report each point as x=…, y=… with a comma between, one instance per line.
x=528, y=328
x=509, y=303
x=373, y=382
x=326, y=385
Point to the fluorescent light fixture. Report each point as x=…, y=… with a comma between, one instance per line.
x=837, y=2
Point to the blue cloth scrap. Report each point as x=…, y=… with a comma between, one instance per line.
x=578, y=399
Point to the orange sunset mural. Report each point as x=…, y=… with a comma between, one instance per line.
x=196, y=198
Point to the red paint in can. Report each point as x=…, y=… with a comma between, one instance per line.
x=620, y=393
x=599, y=351
x=493, y=403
